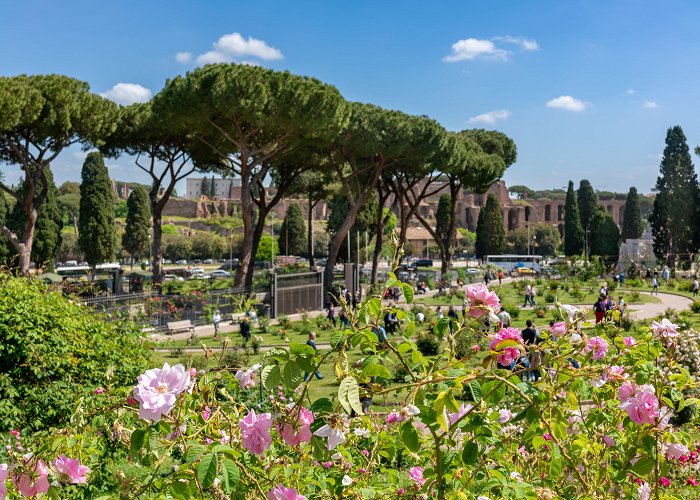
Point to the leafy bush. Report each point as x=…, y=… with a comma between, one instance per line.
x=634, y=297
x=511, y=309
x=695, y=306
x=53, y=351
x=428, y=344
x=284, y=322
x=549, y=298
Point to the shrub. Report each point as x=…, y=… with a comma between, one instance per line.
x=553, y=285
x=541, y=312
x=511, y=309
x=53, y=351
x=428, y=344
x=549, y=298
x=695, y=306
x=634, y=297
x=284, y=322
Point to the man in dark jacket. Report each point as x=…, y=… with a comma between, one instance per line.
x=312, y=342
x=245, y=329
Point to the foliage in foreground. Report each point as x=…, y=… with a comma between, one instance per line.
x=604, y=429
x=52, y=351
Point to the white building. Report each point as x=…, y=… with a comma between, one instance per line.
x=222, y=187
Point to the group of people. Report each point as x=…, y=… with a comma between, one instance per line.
x=607, y=303
x=530, y=292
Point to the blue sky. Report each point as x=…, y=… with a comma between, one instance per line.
x=587, y=89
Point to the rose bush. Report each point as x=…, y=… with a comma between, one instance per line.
x=596, y=425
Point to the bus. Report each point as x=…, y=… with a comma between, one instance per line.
x=513, y=262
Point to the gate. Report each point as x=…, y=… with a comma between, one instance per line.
x=293, y=293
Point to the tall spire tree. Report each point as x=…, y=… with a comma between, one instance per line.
x=587, y=201
x=632, y=218
x=96, y=227
x=674, y=220
x=138, y=224
x=490, y=233
x=573, y=232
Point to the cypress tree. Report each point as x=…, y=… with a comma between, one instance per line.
x=674, y=217
x=605, y=237
x=632, y=218
x=204, y=187
x=292, y=238
x=96, y=228
x=587, y=203
x=573, y=232
x=138, y=224
x=490, y=233
x=212, y=188
x=443, y=217
x=49, y=222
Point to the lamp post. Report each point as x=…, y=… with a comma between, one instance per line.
x=272, y=240
x=230, y=252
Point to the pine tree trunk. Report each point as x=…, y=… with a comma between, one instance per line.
x=156, y=245
x=24, y=249
x=310, y=235
x=248, y=216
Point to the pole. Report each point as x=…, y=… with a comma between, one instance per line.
x=230, y=252
x=528, y=238
x=349, y=233
x=272, y=243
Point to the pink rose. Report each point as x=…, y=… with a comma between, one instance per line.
x=255, y=431
x=664, y=481
x=675, y=451
x=281, y=492
x=247, y=377
x=70, y=470
x=416, y=475
x=3, y=480
x=481, y=299
x=505, y=415
x=558, y=329
x=158, y=388
x=629, y=341
x=509, y=344
x=665, y=329
x=626, y=391
x=643, y=408
x=615, y=372
x=297, y=432
x=599, y=347
x=36, y=481
x=609, y=441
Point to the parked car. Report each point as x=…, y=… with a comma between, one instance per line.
x=167, y=261
x=423, y=263
x=172, y=277
x=181, y=262
x=207, y=261
x=197, y=270
x=229, y=265
x=219, y=274
x=71, y=263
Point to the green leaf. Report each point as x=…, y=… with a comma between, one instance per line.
x=231, y=476
x=643, y=466
x=291, y=374
x=374, y=307
x=193, y=454
x=181, y=490
x=337, y=339
x=321, y=406
x=206, y=471
x=494, y=391
x=301, y=349
x=474, y=387
x=349, y=395
x=138, y=439
x=470, y=453
x=409, y=437
x=410, y=328
x=271, y=376
x=407, y=292
x=376, y=371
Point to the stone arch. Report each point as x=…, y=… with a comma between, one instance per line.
x=620, y=215
x=548, y=213
x=512, y=219
x=527, y=213
x=560, y=212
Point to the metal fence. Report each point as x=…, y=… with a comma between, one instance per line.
x=293, y=293
x=153, y=311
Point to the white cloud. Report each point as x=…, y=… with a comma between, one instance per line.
x=491, y=117
x=472, y=48
x=183, y=57
x=128, y=93
x=630, y=91
x=527, y=44
x=650, y=104
x=567, y=103
x=233, y=47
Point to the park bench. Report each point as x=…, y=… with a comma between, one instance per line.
x=180, y=326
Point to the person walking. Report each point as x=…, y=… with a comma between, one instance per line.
x=245, y=329
x=487, y=278
x=216, y=319
x=344, y=321
x=655, y=284
x=452, y=315
x=464, y=308
x=504, y=319
x=312, y=342
x=599, y=309
x=500, y=277
x=439, y=313
x=331, y=314
x=526, y=292
x=533, y=294
x=696, y=286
